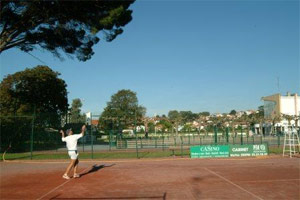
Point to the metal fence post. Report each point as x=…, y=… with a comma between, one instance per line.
x=136, y=145
x=241, y=135
x=31, y=138
x=110, y=133
x=31, y=135
x=216, y=134
x=261, y=139
x=227, y=135
x=181, y=146
x=163, y=145
x=83, y=140
x=92, y=142
x=175, y=141
x=193, y=138
x=200, y=139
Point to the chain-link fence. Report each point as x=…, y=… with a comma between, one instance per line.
x=33, y=135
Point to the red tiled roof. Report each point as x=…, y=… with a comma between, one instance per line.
x=95, y=122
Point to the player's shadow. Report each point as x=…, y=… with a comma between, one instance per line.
x=96, y=168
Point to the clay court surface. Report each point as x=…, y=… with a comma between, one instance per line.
x=175, y=178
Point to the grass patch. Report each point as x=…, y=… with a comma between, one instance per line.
x=275, y=149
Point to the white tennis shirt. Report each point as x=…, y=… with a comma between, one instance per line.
x=71, y=141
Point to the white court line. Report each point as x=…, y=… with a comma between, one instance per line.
x=232, y=183
x=60, y=185
x=262, y=181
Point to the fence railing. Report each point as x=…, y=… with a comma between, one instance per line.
x=27, y=134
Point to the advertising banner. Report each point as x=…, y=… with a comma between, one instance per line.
x=209, y=151
x=248, y=150
x=215, y=151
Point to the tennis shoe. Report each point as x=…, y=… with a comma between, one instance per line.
x=65, y=176
x=76, y=176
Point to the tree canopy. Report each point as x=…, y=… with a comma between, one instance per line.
x=122, y=111
x=34, y=96
x=68, y=26
x=174, y=115
x=204, y=113
x=75, y=112
x=38, y=88
x=232, y=112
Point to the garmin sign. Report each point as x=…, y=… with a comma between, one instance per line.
x=214, y=151
x=210, y=151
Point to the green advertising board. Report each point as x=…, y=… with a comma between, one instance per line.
x=248, y=150
x=215, y=151
x=209, y=151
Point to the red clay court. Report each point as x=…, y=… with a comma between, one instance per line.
x=176, y=178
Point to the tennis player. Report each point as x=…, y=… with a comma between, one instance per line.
x=71, y=141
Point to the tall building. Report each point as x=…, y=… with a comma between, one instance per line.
x=277, y=104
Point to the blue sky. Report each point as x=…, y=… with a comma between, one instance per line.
x=186, y=55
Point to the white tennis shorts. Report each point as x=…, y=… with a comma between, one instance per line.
x=73, y=155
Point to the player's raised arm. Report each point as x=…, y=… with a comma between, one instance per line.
x=83, y=130
x=62, y=135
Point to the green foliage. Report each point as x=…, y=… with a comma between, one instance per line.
x=38, y=88
x=151, y=127
x=204, y=114
x=122, y=111
x=187, y=127
x=69, y=26
x=261, y=111
x=75, y=112
x=232, y=112
x=188, y=116
x=165, y=124
x=174, y=115
x=33, y=93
